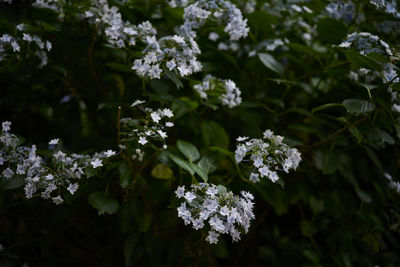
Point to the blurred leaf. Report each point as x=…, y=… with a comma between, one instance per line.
x=358, y=106
x=105, y=203
x=207, y=164
x=271, y=63
x=326, y=161
x=362, y=61
x=162, y=171
x=214, y=134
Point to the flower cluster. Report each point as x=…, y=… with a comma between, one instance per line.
x=224, y=12
x=344, y=10
x=390, y=7
x=62, y=172
x=224, y=212
x=152, y=127
x=366, y=43
x=269, y=155
x=22, y=43
x=175, y=52
x=117, y=31
x=225, y=91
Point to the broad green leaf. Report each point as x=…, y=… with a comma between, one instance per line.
x=162, y=171
x=182, y=163
x=200, y=172
x=270, y=62
x=214, y=134
x=358, y=106
x=362, y=61
x=206, y=164
x=105, y=203
x=189, y=150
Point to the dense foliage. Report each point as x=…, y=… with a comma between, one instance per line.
x=210, y=132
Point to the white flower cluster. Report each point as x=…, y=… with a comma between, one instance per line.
x=226, y=91
x=152, y=127
x=269, y=155
x=24, y=41
x=343, y=10
x=63, y=172
x=224, y=212
x=390, y=7
x=366, y=43
x=224, y=12
x=117, y=31
x=176, y=52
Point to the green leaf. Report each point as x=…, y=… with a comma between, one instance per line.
x=364, y=196
x=326, y=161
x=15, y=182
x=270, y=62
x=200, y=172
x=182, y=163
x=125, y=175
x=358, y=106
x=356, y=133
x=326, y=106
x=105, y=203
x=386, y=137
x=325, y=32
x=396, y=86
x=142, y=216
x=362, y=61
x=206, y=164
x=162, y=171
x=189, y=150
x=173, y=77
x=214, y=134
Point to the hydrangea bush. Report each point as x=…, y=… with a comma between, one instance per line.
x=210, y=132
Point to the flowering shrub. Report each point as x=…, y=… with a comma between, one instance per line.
x=157, y=111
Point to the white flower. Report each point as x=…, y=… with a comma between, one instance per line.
x=167, y=112
x=6, y=126
x=57, y=200
x=72, y=188
x=162, y=134
x=142, y=140
x=213, y=36
x=54, y=141
x=240, y=138
x=138, y=102
x=212, y=237
x=8, y=173
x=189, y=196
x=96, y=163
x=169, y=124
x=155, y=117
x=254, y=178
x=180, y=191
x=109, y=153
